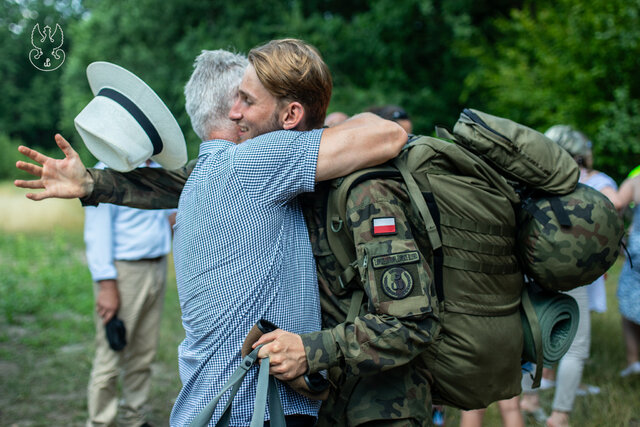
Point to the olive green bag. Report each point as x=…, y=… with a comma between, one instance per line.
x=521, y=154
x=568, y=234
x=466, y=211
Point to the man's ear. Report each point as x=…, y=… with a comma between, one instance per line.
x=292, y=115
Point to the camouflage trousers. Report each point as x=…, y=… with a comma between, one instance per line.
x=396, y=398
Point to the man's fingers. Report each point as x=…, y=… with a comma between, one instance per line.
x=108, y=317
x=64, y=146
x=263, y=352
x=38, y=196
x=33, y=154
x=268, y=337
x=36, y=183
x=30, y=168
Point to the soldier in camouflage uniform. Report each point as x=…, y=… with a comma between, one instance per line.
x=374, y=361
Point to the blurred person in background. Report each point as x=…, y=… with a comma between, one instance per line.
x=394, y=113
x=509, y=411
x=628, y=292
x=127, y=255
x=335, y=118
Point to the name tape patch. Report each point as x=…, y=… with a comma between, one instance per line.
x=395, y=259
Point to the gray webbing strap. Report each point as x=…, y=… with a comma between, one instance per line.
x=418, y=201
x=266, y=385
x=354, y=308
x=348, y=275
x=346, y=388
x=536, y=333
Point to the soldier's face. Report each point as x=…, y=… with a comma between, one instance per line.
x=255, y=111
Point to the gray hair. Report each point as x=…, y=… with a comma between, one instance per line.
x=210, y=91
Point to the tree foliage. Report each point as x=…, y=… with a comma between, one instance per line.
x=539, y=63
x=566, y=62
x=30, y=107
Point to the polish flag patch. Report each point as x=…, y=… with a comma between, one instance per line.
x=382, y=226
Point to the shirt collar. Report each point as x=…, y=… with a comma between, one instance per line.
x=208, y=147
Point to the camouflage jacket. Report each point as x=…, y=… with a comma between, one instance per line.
x=380, y=350
x=390, y=331
x=143, y=188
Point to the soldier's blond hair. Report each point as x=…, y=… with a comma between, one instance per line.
x=293, y=70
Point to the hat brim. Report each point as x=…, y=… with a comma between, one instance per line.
x=103, y=74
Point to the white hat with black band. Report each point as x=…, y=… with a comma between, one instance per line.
x=127, y=123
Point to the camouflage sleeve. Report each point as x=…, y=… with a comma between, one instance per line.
x=398, y=321
x=144, y=188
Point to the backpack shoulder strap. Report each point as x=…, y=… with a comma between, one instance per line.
x=340, y=242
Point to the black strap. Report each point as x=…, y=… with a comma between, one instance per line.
x=137, y=114
x=561, y=214
x=438, y=254
x=628, y=254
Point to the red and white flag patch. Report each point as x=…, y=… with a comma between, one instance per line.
x=382, y=226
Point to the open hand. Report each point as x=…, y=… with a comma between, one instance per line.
x=63, y=178
x=287, y=359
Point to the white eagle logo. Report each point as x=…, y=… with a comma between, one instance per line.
x=46, y=55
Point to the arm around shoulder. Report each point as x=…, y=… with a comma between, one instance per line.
x=363, y=141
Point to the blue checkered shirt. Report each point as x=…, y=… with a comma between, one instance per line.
x=242, y=253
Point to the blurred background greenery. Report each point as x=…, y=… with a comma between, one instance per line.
x=537, y=62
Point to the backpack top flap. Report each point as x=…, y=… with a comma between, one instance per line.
x=519, y=152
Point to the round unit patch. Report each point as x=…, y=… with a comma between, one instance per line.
x=397, y=283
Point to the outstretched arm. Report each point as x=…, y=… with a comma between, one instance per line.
x=63, y=178
x=142, y=188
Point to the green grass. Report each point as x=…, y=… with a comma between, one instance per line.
x=46, y=342
x=47, y=333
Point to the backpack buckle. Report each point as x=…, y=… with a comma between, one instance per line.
x=336, y=224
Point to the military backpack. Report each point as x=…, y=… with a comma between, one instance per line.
x=467, y=199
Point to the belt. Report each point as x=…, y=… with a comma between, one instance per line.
x=156, y=259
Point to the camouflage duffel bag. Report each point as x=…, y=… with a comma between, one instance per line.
x=568, y=241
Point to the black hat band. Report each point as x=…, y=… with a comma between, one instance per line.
x=137, y=114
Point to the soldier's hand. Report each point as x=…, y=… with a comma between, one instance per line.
x=287, y=359
x=108, y=300
x=63, y=178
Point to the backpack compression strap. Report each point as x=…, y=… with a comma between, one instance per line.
x=340, y=241
x=418, y=201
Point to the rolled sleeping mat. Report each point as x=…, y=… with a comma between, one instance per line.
x=557, y=315
x=314, y=386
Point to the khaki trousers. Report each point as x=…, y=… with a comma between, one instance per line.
x=141, y=285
